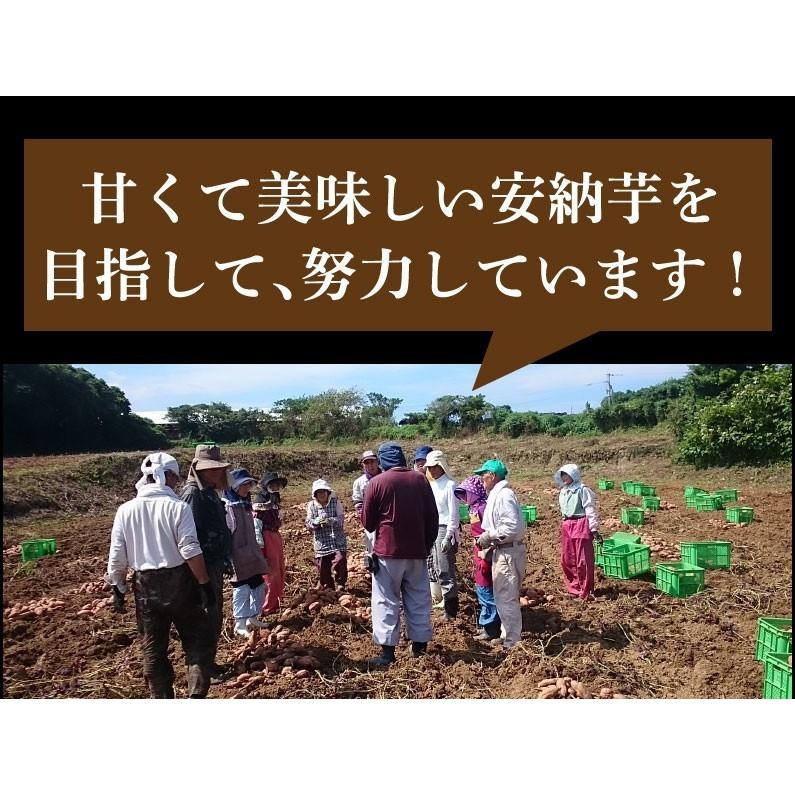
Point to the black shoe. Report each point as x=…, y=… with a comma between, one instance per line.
x=385, y=659
x=450, y=608
x=220, y=673
x=418, y=649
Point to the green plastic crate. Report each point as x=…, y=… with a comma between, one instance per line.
x=530, y=513
x=626, y=486
x=740, y=515
x=707, y=554
x=650, y=503
x=773, y=636
x=626, y=561
x=642, y=490
x=679, y=579
x=778, y=676
x=632, y=516
x=692, y=502
x=694, y=491
x=606, y=485
x=463, y=512
x=727, y=495
x=37, y=548
x=708, y=503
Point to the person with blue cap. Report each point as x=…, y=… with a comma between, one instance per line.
x=503, y=530
x=421, y=456
x=400, y=511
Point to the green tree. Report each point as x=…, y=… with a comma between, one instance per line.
x=750, y=424
x=57, y=408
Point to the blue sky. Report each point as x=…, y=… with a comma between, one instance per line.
x=151, y=388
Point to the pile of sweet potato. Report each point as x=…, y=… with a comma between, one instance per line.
x=316, y=600
x=34, y=609
x=14, y=550
x=95, y=606
x=566, y=687
x=97, y=586
x=275, y=654
x=661, y=547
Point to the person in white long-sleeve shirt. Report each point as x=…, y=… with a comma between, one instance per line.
x=154, y=534
x=504, y=529
x=447, y=541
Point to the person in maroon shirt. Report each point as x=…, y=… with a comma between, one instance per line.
x=400, y=509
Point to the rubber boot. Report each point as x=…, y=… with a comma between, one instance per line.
x=436, y=595
x=385, y=659
x=418, y=649
x=450, y=607
x=489, y=631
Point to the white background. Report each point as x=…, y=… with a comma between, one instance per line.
x=397, y=48
x=404, y=47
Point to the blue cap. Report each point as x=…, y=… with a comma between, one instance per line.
x=422, y=452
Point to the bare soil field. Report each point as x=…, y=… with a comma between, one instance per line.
x=633, y=639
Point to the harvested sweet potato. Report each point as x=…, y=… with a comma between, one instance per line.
x=547, y=682
x=548, y=692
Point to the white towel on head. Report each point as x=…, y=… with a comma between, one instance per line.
x=156, y=465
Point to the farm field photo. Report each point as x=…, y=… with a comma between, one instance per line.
x=693, y=580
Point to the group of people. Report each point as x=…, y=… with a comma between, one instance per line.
x=225, y=522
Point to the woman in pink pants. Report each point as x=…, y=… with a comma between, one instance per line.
x=578, y=530
x=268, y=520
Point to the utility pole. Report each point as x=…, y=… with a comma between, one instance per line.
x=610, y=387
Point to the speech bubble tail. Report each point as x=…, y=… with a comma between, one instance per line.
x=510, y=348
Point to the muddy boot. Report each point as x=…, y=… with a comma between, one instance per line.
x=385, y=659
x=161, y=690
x=450, y=607
x=418, y=649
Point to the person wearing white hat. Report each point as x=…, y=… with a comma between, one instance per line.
x=325, y=519
x=446, y=547
x=369, y=462
x=154, y=535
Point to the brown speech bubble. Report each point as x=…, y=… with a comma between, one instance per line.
x=372, y=235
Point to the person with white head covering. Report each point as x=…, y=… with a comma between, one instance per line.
x=444, y=551
x=325, y=519
x=578, y=530
x=154, y=535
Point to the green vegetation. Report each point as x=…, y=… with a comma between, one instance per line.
x=720, y=415
x=55, y=408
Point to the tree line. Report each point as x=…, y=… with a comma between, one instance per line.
x=720, y=414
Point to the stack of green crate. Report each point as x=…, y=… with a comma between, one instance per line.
x=707, y=554
x=530, y=513
x=773, y=636
x=694, y=491
x=650, y=503
x=778, y=676
x=37, y=548
x=626, y=486
x=774, y=650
